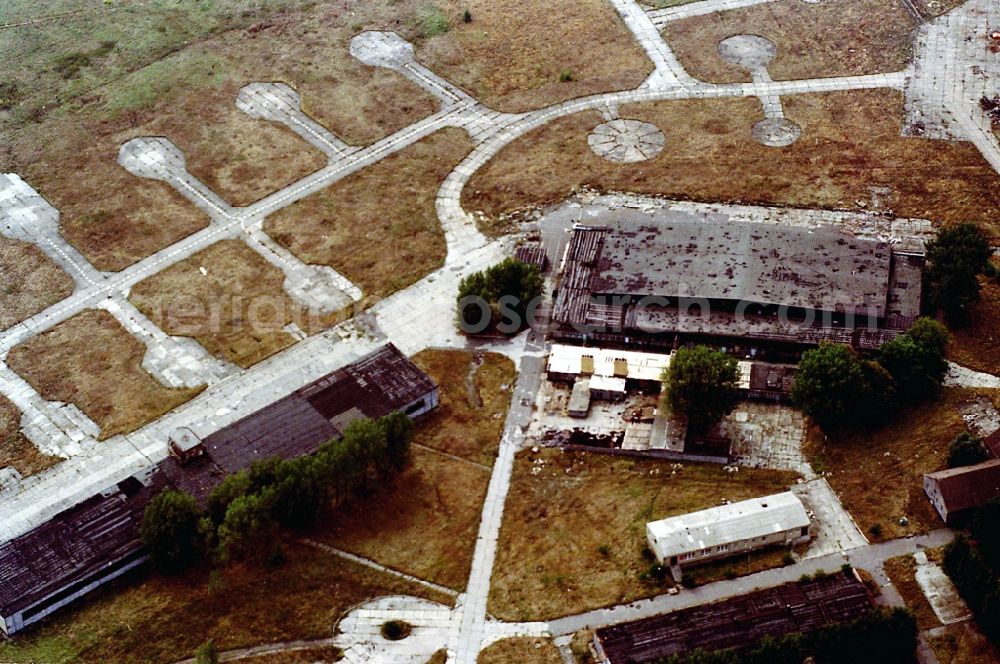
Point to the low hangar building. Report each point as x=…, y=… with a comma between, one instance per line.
x=729, y=530
x=651, y=282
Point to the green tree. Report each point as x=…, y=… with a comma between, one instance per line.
x=299, y=496
x=232, y=487
x=956, y=258
x=171, y=531
x=504, y=293
x=367, y=444
x=398, y=430
x=966, y=450
x=248, y=528
x=703, y=385
x=985, y=528
x=917, y=360
x=840, y=389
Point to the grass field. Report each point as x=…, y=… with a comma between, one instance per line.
x=521, y=651
x=161, y=619
x=378, y=227
x=236, y=309
x=879, y=474
x=710, y=156
x=425, y=524
x=832, y=38
x=574, y=527
x=174, y=70
x=15, y=449
x=963, y=643
x=475, y=395
x=92, y=361
x=29, y=282
x=902, y=572
x=516, y=56
x=976, y=344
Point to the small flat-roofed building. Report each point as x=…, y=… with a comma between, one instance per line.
x=86, y=546
x=729, y=530
x=738, y=623
x=579, y=399
x=957, y=491
x=734, y=282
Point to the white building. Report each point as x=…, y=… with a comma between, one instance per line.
x=568, y=362
x=729, y=530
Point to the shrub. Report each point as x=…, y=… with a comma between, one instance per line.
x=396, y=630
x=206, y=653
x=565, y=76
x=966, y=450
x=431, y=21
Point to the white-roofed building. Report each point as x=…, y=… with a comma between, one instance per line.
x=729, y=530
x=567, y=362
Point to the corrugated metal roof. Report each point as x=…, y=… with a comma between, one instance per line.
x=726, y=524
x=740, y=622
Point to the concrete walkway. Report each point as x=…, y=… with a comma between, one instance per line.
x=661, y=17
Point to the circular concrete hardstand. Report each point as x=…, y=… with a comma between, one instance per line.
x=747, y=51
x=626, y=141
x=776, y=132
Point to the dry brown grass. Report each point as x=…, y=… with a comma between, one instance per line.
x=318, y=655
x=377, y=227
x=475, y=395
x=15, y=449
x=879, y=474
x=69, y=152
x=850, y=142
x=425, y=524
x=512, y=53
x=963, y=643
x=92, y=361
x=163, y=619
x=573, y=534
x=833, y=38
x=29, y=282
x=236, y=310
x=976, y=344
x=902, y=572
x=931, y=8
x=521, y=651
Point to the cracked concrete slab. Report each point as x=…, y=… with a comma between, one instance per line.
x=278, y=102
x=941, y=594
x=26, y=216
x=626, y=141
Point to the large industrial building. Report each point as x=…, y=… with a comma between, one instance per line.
x=729, y=530
x=88, y=545
x=741, y=622
x=750, y=286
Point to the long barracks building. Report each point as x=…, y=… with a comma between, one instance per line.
x=90, y=544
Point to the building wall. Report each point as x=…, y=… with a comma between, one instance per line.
x=933, y=492
x=423, y=405
x=17, y=622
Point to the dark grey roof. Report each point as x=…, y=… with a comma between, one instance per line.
x=740, y=622
x=103, y=530
x=821, y=268
x=74, y=545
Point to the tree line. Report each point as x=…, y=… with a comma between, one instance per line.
x=247, y=510
x=973, y=564
x=843, y=389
